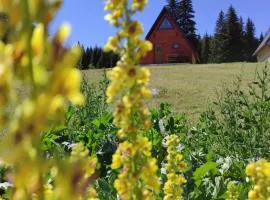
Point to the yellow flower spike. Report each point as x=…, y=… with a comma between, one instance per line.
x=128, y=82
x=173, y=187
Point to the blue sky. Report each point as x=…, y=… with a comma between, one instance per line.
x=89, y=27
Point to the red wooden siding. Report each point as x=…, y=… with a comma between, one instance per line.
x=163, y=41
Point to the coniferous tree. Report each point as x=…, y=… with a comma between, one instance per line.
x=83, y=58
x=234, y=36
x=173, y=8
x=261, y=38
x=96, y=55
x=101, y=60
x=219, y=43
x=205, y=48
x=186, y=21
x=90, y=57
x=242, y=39
x=250, y=41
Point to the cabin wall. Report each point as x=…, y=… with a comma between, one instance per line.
x=165, y=39
x=264, y=54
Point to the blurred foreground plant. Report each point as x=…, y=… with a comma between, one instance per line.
x=30, y=58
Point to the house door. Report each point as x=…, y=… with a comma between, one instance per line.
x=158, y=54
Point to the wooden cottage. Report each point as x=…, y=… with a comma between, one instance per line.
x=169, y=43
x=263, y=51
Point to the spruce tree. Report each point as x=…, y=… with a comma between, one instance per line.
x=261, y=38
x=205, y=48
x=219, y=43
x=173, y=8
x=234, y=36
x=250, y=40
x=242, y=32
x=186, y=21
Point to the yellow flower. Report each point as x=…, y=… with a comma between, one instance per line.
x=138, y=4
x=250, y=169
x=112, y=45
x=144, y=47
x=114, y=4
x=259, y=173
x=38, y=40
x=64, y=86
x=143, y=76
x=62, y=33
x=116, y=161
x=114, y=17
x=133, y=29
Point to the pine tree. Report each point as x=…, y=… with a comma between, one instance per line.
x=205, y=48
x=250, y=40
x=219, y=43
x=186, y=21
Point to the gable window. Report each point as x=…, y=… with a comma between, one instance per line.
x=165, y=24
x=176, y=46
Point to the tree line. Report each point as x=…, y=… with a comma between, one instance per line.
x=96, y=58
x=233, y=41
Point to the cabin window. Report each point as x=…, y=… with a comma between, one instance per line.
x=176, y=46
x=165, y=24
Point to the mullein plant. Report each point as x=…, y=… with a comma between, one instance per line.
x=44, y=64
x=137, y=178
x=259, y=173
x=232, y=192
x=175, y=167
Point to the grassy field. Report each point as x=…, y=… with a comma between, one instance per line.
x=190, y=88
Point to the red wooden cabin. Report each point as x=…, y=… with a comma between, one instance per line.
x=169, y=43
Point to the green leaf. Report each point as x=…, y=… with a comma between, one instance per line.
x=203, y=170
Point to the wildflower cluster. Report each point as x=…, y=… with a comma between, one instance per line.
x=175, y=166
x=128, y=85
x=260, y=175
x=44, y=65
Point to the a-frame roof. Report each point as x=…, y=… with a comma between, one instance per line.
x=265, y=41
x=161, y=14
